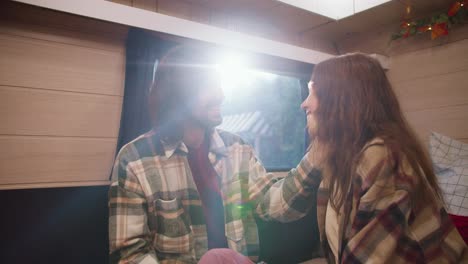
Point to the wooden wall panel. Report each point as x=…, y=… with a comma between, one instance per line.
x=61, y=92
x=434, y=91
x=200, y=14
x=36, y=63
x=432, y=86
x=430, y=62
x=26, y=111
x=32, y=15
x=150, y=5
x=451, y=121
x=59, y=35
x=179, y=9
x=42, y=160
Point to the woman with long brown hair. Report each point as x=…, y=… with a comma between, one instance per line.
x=377, y=199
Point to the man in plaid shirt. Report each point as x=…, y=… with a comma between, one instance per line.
x=184, y=187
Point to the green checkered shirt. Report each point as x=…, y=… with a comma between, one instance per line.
x=155, y=211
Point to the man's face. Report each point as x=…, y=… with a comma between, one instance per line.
x=207, y=107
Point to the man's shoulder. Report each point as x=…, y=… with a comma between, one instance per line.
x=142, y=146
x=230, y=138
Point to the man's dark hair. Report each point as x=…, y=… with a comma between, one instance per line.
x=180, y=76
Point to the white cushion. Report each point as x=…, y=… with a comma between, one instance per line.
x=450, y=159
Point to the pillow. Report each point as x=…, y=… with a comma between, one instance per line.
x=450, y=159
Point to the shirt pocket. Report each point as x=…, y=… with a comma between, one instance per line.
x=173, y=234
x=237, y=209
x=235, y=236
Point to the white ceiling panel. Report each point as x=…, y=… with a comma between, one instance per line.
x=361, y=5
x=335, y=9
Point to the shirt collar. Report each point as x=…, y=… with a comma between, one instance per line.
x=171, y=148
x=217, y=145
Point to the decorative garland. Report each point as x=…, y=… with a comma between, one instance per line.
x=439, y=24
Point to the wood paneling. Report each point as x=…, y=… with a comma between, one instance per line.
x=430, y=62
x=59, y=35
x=31, y=160
x=179, y=9
x=451, y=121
x=200, y=14
x=16, y=186
x=61, y=91
x=26, y=111
x=150, y=5
x=432, y=87
x=434, y=91
x=294, y=20
x=44, y=64
x=32, y=15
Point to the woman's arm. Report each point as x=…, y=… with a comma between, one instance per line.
x=290, y=198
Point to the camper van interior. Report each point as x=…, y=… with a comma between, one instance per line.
x=75, y=77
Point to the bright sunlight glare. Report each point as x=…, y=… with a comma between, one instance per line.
x=237, y=76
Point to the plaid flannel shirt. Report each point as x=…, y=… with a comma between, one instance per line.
x=379, y=223
x=155, y=212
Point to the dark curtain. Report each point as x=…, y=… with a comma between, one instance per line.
x=142, y=52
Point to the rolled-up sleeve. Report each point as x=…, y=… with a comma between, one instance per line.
x=291, y=198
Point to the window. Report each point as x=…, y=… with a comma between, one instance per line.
x=264, y=109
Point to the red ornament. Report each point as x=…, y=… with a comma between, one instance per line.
x=406, y=34
x=405, y=24
x=424, y=29
x=438, y=30
x=454, y=9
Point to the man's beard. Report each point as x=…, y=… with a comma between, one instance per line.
x=209, y=123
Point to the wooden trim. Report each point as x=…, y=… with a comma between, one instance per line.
x=108, y=11
x=17, y=186
x=33, y=15
x=42, y=159
x=76, y=38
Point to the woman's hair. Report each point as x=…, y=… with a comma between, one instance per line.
x=180, y=76
x=356, y=103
